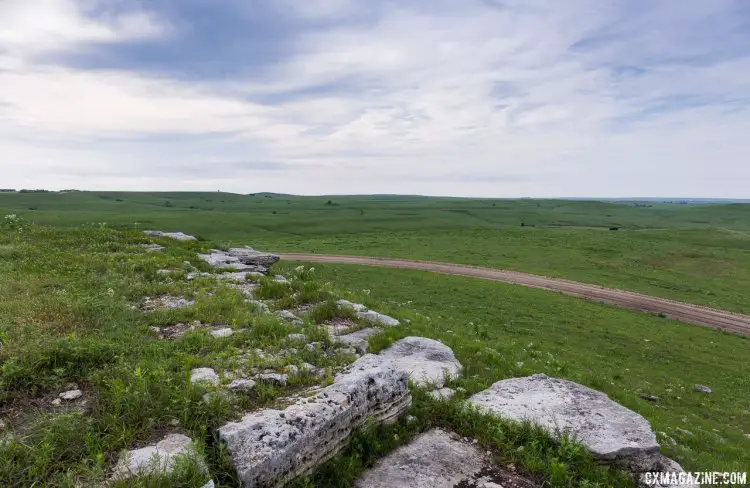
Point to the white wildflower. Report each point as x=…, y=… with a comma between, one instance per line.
x=110, y=292
x=299, y=269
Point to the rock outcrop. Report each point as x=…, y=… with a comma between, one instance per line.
x=609, y=430
x=156, y=459
x=240, y=259
x=426, y=361
x=270, y=447
x=437, y=459
x=180, y=236
x=357, y=340
x=376, y=318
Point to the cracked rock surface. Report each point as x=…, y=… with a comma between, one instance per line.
x=270, y=447
x=435, y=460
x=606, y=428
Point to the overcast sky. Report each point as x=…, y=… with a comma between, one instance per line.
x=505, y=98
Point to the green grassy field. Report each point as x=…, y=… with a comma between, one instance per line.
x=694, y=253
x=66, y=317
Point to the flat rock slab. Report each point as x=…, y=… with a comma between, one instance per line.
x=426, y=361
x=237, y=260
x=354, y=307
x=152, y=247
x=376, y=318
x=180, y=236
x=609, y=430
x=204, y=375
x=156, y=459
x=167, y=301
x=435, y=460
x=270, y=447
x=221, y=333
x=357, y=340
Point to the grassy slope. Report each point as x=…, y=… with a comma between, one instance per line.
x=698, y=254
x=494, y=328
x=66, y=318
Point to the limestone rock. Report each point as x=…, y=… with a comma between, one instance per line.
x=703, y=388
x=166, y=301
x=248, y=255
x=443, y=394
x=288, y=316
x=220, y=333
x=354, y=307
x=270, y=447
x=152, y=247
x=157, y=459
x=376, y=318
x=357, y=340
x=276, y=378
x=426, y=361
x=71, y=395
x=180, y=236
x=609, y=430
x=297, y=337
x=204, y=375
x=436, y=460
x=243, y=385
x=280, y=279
x=239, y=260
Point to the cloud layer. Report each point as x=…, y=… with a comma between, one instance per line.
x=472, y=98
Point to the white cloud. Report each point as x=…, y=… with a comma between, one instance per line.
x=442, y=98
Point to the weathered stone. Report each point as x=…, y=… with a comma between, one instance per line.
x=357, y=340
x=246, y=288
x=338, y=326
x=312, y=369
x=240, y=276
x=288, y=316
x=378, y=318
x=435, y=460
x=609, y=430
x=180, y=236
x=314, y=346
x=166, y=301
x=152, y=247
x=220, y=333
x=193, y=275
x=354, y=307
x=297, y=337
x=426, y=361
x=248, y=255
x=259, y=306
x=650, y=398
x=270, y=447
x=157, y=459
x=71, y=395
x=443, y=394
x=228, y=259
x=275, y=378
x=204, y=375
x=280, y=279
x=703, y=388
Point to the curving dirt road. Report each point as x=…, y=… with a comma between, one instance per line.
x=694, y=314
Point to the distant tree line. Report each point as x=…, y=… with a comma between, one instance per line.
x=33, y=191
x=7, y=190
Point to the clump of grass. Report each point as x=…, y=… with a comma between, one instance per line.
x=270, y=289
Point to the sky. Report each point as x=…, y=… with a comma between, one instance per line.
x=490, y=98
